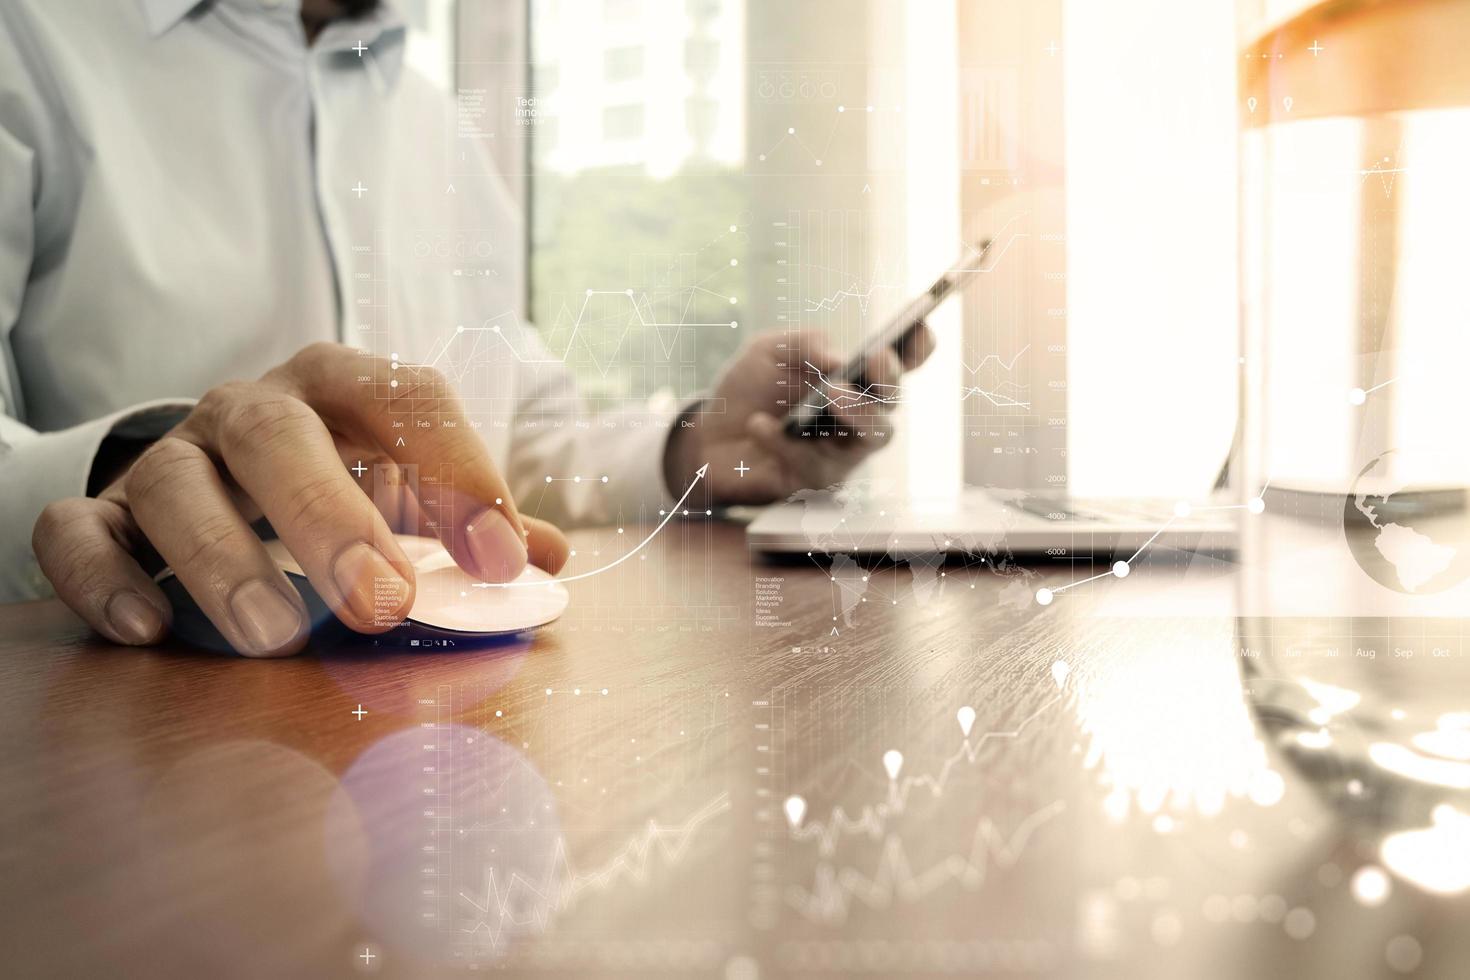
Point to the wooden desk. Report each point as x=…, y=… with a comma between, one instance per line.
x=611, y=797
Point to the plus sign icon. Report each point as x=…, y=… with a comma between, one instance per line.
x=367, y=960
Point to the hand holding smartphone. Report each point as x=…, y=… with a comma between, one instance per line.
x=810, y=415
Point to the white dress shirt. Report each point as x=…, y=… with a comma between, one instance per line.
x=189, y=194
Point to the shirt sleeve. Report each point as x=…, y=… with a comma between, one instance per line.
x=605, y=468
x=39, y=467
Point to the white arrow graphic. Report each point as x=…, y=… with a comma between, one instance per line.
x=620, y=559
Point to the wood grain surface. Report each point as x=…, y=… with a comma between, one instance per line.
x=610, y=797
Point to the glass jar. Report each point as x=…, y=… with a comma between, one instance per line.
x=1355, y=305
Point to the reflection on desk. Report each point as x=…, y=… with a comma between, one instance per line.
x=704, y=769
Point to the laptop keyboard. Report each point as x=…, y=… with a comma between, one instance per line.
x=1098, y=511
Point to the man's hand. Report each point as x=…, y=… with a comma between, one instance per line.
x=279, y=448
x=750, y=431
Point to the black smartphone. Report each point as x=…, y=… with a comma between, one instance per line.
x=812, y=414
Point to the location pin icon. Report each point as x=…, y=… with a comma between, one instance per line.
x=1287, y=102
x=966, y=717
x=893, y=762
x=1059, y=672
x=795, y=808
x=1250, y=103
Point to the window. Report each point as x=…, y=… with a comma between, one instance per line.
x=771, y=169
x=701, y=56
x=622, y=64
x=621, y=11
x=545, y=80
x=545, y=141
x=1140, y=184
x=701, y=117
x=635, y=192
x=702, y=10
x=622, y=122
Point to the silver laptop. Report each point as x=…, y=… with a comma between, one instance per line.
x=983, y=521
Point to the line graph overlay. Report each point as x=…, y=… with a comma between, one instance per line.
x=872, y=820
x=837, y=395
x=699, y=475
x=540, y=809
x=456, y=354
x=627, y=327
x=835, y=889
x=928, y=831
x=1122, y=568
x=504, y=903
x=840, y=274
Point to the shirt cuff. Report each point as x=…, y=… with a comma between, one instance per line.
x=39, y=467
